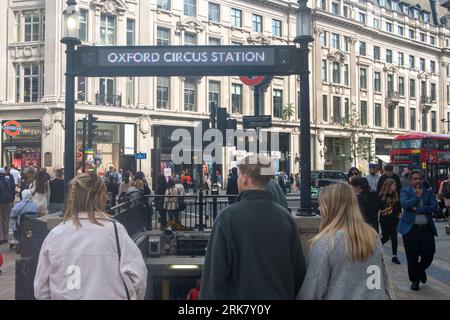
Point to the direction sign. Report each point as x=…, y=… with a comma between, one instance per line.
x=140, y=156
x=12, y=128
x=253, y=122
x=186, y=60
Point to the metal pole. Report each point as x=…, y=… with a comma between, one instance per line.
x=305, y=143
x=257, y=97
x=83, y=159
x=69, y=135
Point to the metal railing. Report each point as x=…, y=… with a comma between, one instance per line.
x=108, y=100
x=426, y=99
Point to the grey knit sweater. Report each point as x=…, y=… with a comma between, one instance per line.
x=331, y=275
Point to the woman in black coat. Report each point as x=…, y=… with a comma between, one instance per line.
x=369, y=203
x=160, y=191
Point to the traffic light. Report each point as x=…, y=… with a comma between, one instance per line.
x=91, y=128
x=222, y=116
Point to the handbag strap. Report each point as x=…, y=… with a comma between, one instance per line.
x=119, y=253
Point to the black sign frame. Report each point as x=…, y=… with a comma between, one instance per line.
x=114, y=61
x=253, y=122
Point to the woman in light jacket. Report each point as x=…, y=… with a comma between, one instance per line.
x=89, y=255
x=345, y=260
x=41, y=192
x=171, y=202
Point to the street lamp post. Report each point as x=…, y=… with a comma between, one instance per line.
x=70, y=39
x=446, y=121
x=303, y=38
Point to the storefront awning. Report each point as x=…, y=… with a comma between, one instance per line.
x=383, y=157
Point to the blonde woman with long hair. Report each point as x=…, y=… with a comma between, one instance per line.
x=89, y=255
x=345, y=259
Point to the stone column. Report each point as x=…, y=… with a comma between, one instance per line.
x=308, y=227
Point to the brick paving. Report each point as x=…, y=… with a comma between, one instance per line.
x=437, y=287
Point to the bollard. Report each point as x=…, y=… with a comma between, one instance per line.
x=215, y=193
x=200, y=225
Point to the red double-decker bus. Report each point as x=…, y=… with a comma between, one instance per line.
x=429, y=153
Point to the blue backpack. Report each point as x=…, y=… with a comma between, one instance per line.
x=5, y=191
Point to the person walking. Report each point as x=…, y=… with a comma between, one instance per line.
x=343, y=252
x=66, y=268
x=126, y=183
x=41, y=192
x=171, y=203
x=444, y=193
x=388, y=173
x=373, y=177
x=368, y=201
x=57, y=192
x=389, y=215
x=353, y=173
x=5, y=205
x=404, y=179
x=232, y=186
x=417, y=228
x=26, y=206
x=160, y=191
x=194, y=292
x=254, y=251
x=277, y=193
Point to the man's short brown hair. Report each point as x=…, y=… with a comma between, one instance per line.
x=258, y=168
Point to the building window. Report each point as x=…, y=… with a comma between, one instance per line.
x=433, y=66
x=448, y=122
x=335, y=8
x=190, y=8
x=412, y=33
x=401, y=117
x=448, y=95
x=336, y=72
x=346, y=75
x=412, y=62
x=401, y=60
x=388, y=56
x=162, y=37
x=376, y=53
x=324, y=70
x=32, y=82
x=346, y=44
x=378, y=114
x=412, y=119
x=107, y=29
x=433, y=121
x=362, y=48
x=323, y=38
x=390, y=84
x=382, y=3
x=426, y=17
x=401, y=31
x=32, y=25
x=276, y=28
x=83, y=28
x=107, y=92
x=190, y=95
x=424, y=122
x=162, y=92
x=432, y=40
x=214, y=95
x=363, y=78
x=376, y=23
x=391, y=117
x=415, y=13
x=325, y=108
x=213, y=12
x=336, y=109
x=17, y=67
x=377, y=81
x=422, y=64
x=257, y=23
x=129, y=90
x=422, y=37
x=363, y=111
x=433, y=91
x=362, y=18
x=214, y=41
x=335, y=41
x=130, y=32
x=423, y=87
x=346, y=108
x=277, y=103
x=388, y=26
x=236, y=18
x=394, y=5
x=81, y=88
x=346, y=11
x=190, y=39
x=236, y=98
x=164, y=5
x=323, y=4
x=401, y=86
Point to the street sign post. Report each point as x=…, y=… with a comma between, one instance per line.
x=253, y=122
x=140, y=156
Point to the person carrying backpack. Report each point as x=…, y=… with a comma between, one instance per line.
x=5, y=206
x=444, y=192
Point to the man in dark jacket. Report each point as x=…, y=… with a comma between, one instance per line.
x=388, y=173
x=254, y=251
x=232, y=186
x=277, y=193
x=417, y=228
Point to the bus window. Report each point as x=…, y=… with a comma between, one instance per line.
x=443, y=144
x=407, y=144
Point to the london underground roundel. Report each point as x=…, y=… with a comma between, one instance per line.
x=12, y=128
x=252, y=80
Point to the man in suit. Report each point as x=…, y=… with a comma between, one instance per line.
x=417, y=228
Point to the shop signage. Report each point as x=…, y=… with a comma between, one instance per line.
x=186, y=60
x=12, y=128
x=167, y=172
x=383, y=146
x=253, y=122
